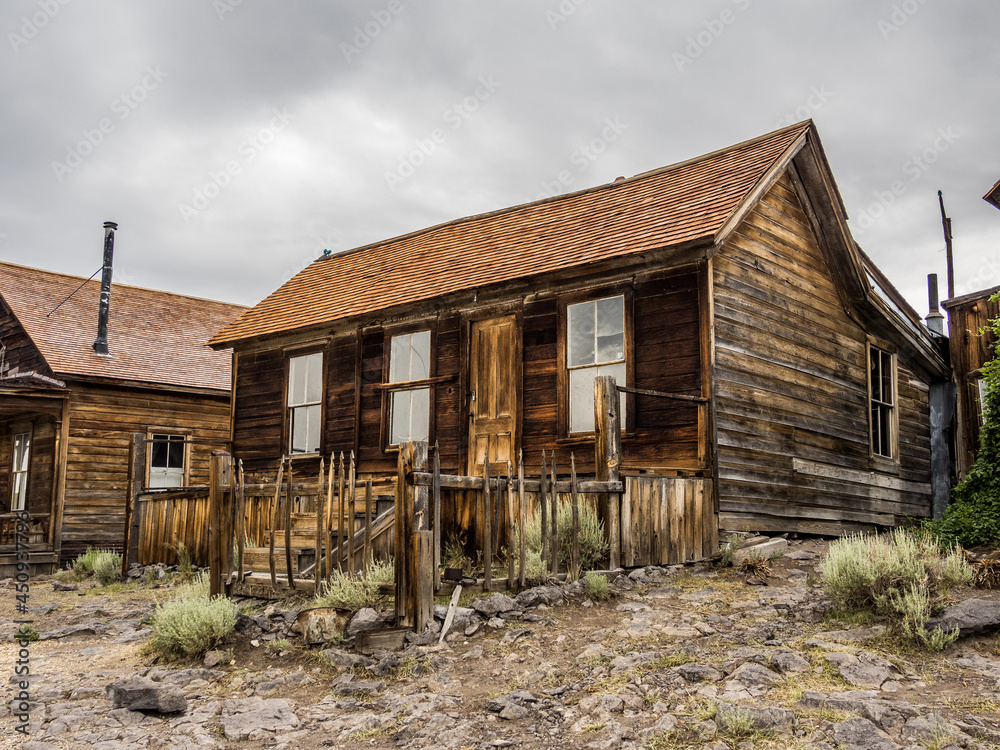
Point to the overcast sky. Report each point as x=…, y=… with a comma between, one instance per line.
x=233, y=141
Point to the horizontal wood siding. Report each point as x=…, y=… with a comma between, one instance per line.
x=101, y=420
x=21, y=353
x=257, y=425
x=792, y=393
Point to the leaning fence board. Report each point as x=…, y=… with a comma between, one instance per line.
x=289, y=571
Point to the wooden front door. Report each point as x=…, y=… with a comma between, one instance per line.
x=495, y=369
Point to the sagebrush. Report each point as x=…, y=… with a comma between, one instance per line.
x=345, y=591
x=592, y=544
x=194, y=622
x=104, y=565
x=902, y=577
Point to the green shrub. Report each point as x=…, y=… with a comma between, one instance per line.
x=592, y=544
x=107, y=567
x=193, y=622
x=597, y=586
x=83, y=565
x=903, y=577
x=354, y=592
x=726, y=549
x=973, y=518
x=184, y=559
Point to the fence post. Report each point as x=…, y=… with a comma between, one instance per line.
x=217, y=540
x=412, y=457
x=607, y=459
x=136, y=464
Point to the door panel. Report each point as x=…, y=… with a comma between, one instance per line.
x=495, y=369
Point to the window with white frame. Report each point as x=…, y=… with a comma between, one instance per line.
x=19, y=470
x=595, y=345
x=409, y=408
x=166, y=460
x=305, y=403
x=882, y=401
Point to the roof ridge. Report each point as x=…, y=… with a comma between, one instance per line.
x=802, y=126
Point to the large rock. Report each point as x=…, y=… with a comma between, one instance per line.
x=532, y=597
x=970, y=617
x=861, y=734
x=494, y=605
x=256, y=718
x=364, y=620
x=142, y=694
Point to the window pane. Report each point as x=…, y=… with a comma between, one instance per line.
x=611, y=329
x=420, y=355
x=296, y=381
x=305, y=429
x=581, y=399
x=22, y=443
x=875, y=378
x=158, y=453
x=410, y=416
x=399, y=359
x=175, y=453
x=580, y=321
x=314, y=378
x=20, y=491
x=886, y=367
x=305, y=379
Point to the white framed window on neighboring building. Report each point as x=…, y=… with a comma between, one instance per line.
x=166, y=460
x=409, y=399
x=882, y=402
x=305, y=403
x=19, y=470
x=595, y=345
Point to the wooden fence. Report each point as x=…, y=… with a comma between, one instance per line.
x=667, y=520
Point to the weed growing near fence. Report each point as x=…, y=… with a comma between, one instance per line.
x=902, y=577
x=354, y=592
x=597, y=586
x=593, y=545
x=193, y=622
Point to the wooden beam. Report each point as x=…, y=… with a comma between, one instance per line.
x=607, y=460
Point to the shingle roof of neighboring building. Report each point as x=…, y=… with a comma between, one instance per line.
x=153, y=336
x=993, y=196
x=677, y=204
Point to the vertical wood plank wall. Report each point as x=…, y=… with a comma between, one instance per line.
x=667, y=520
x=791, y=380
x=101, y=419
x=969, y=351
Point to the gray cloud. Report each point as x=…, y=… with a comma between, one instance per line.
x=362, y=86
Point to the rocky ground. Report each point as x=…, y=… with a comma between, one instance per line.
x=686, y=657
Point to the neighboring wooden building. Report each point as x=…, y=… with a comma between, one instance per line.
x=66, y=412
x=972, y=345
x=730, y=279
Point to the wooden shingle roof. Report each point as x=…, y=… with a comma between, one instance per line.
x=153, y=337
x=670, y=206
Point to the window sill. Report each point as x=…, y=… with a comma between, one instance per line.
x=884, y=465
x=587, y=437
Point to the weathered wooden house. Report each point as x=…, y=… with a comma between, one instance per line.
x=66, y=412
x=972, y=345
x=730, y=280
